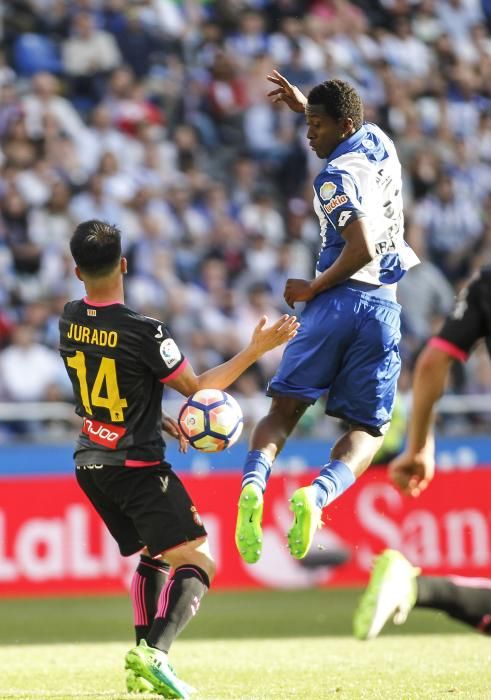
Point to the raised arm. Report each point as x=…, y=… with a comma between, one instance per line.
x=287, y=93
x=264, y=338
x=413, y=470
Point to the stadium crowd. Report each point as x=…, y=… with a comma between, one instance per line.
x=153, y=115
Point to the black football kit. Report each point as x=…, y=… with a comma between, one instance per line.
x=470, y=319
x=118, y=361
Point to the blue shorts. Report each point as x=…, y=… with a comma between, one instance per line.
x=347, y=345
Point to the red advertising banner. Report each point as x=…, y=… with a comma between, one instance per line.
x=52, y=542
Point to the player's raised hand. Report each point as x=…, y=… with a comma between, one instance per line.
x=297, y=290
x=266, y=338
x=412, y=472
x=171, y=427
x=287, y=93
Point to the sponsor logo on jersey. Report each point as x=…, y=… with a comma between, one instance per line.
x=338, y=201
x=103, y=434
x=169, y=352
x=159, y=334
x=327, y=190
x=384, y=247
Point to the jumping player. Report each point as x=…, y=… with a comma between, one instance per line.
x=118, y=362
x=348, y=339
x=395, y=586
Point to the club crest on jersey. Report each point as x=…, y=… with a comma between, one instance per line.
x=338, y=201
x=169, y=352
x=327, y=190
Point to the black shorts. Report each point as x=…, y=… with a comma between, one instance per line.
x=142, y=506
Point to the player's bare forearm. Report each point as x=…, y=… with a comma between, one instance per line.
x=357, y=252
x=430, y=376
x=353, y=257
x=264, y=338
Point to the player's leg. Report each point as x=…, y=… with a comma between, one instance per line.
x=465, y=599
x=391, y=593
x=179, y=602
x=363, y=393
x=267, y=441
x=150, y=507
x=168, y=523
x=309, y=364
x=396, y=587
x=149, y=579
x=350, y=457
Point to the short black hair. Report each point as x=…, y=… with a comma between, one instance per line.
x=96, y=247
x=340, y=100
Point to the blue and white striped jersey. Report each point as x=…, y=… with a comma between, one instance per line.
x=362, y=178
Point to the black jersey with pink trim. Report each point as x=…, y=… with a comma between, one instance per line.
x=117, y=361
x=470, y=319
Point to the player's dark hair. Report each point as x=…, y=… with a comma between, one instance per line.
x=339, y=99
x=96, y=247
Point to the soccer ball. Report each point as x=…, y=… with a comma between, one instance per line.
x=211, y=420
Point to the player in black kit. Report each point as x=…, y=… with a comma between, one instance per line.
x=396, y=586
x=469, y=322
x=118, y=362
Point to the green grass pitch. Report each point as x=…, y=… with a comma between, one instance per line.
x=265, y=645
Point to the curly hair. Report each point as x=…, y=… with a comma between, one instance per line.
x=339, y=99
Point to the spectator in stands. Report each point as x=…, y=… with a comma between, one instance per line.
x=29, y=370
x=453, y=231
x=44, y=99
x=88, y=56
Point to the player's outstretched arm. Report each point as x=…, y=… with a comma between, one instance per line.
x=413, y=470
x=287, y=93
x=264, y=338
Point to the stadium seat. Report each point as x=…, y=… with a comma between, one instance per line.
x=34, y=53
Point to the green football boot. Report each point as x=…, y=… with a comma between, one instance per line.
x=391, y=592
x=306, y=520
x=248, y=531
x=137, y=684
x=153, y=666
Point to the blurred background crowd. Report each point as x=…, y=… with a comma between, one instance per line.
x=153, y=115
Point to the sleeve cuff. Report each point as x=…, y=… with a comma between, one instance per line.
x=176, y=372
x=449, y=348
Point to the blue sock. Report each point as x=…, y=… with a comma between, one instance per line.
x=256, y=470
x=334, y=478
